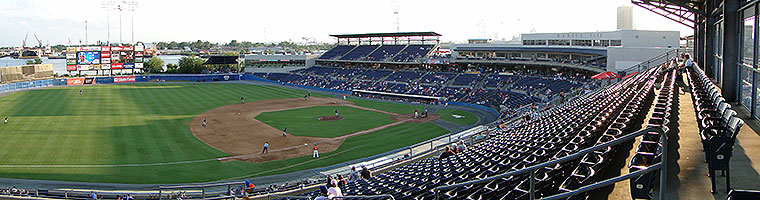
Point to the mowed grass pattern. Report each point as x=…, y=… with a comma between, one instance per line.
x=303, y=121
x=147, y=123
x=446, y=114
x=387, y=106
x=115, y=124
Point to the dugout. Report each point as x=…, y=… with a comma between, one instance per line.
x=398, y=97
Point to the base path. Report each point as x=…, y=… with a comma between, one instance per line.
x=234, y=129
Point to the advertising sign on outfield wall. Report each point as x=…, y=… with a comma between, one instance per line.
x=124, y=79
x=88, y=81
x=75, y=81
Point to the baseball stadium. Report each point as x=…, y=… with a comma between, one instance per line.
x=621, y=114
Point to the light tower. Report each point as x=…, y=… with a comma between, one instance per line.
x=395, y=14
x=108, y=5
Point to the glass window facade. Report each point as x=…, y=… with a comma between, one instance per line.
x=748, y=65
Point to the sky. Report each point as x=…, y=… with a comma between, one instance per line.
x=61, y=21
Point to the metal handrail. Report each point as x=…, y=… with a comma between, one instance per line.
x=532, y=169
x=270, y=196
x=651, y=61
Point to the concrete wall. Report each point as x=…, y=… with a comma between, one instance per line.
x=640, y=38
x=26, y=72
x=620, y=58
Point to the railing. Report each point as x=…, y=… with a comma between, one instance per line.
x=270, y=196
x=655, y=61
x=532, y=170
x=201, y=186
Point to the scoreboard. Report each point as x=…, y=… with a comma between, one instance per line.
x=88, y=58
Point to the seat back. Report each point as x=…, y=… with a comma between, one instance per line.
x=723, y=107
x=734, y=124
x=728, y=115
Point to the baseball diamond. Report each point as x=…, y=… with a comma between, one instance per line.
x=152, y=133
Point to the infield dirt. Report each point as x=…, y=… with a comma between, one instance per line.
x=233, y=129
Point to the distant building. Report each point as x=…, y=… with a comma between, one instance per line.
x=611, y=50
x=478, y=41
x=624, y=18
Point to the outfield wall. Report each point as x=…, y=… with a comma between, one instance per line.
x=179, y=77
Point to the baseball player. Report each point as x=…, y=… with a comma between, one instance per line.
x=204, y=122
x=306, y=97
x=242, y=100
x=316, y=152
x=309, y=93
x=336, y=112
x=285, y=132
x=415, y=113
x=80, y=92
x=266, y=148
x=6, y=120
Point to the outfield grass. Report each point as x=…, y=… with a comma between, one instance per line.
x=147, y=124
x=387, y=106
x=303, y=121
x=445, y=114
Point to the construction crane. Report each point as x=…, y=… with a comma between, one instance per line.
x=23, y=45
x=38, y=40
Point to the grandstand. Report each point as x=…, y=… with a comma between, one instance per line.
x=388, y=48
x=460, y=87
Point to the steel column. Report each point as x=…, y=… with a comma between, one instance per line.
x=731, y=32
x=709, y=41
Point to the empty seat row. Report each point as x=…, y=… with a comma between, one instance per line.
x=717, y=122
x=650, y=149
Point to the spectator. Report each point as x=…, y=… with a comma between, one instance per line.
x=446, y=153
x=334, y=191
x=354, y=174
x=461, y=146
x=93, y=195
x=366, y=173
x=341, y=180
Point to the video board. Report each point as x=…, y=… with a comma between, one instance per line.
x=104, y=58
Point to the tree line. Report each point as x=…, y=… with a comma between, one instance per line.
x=206, y=45
x=186, y=65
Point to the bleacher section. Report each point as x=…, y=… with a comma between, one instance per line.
x=497, y=80
x=374, y=74
x=466, y=79
x=403, y=76
x=437, y=77
x=412, y=52
x=337, y=51
x=359, y=53
x=459, y=87
x=557, y=132
x=385, y=52
x=389, y=53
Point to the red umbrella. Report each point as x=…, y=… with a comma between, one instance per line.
x=629, y=75
x=606, y=75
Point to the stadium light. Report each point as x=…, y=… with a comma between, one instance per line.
x=110, y=5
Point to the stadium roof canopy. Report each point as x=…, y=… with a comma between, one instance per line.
x=397, y=34
x=221, y=60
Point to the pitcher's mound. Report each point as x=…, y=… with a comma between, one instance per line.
x=329, y=118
